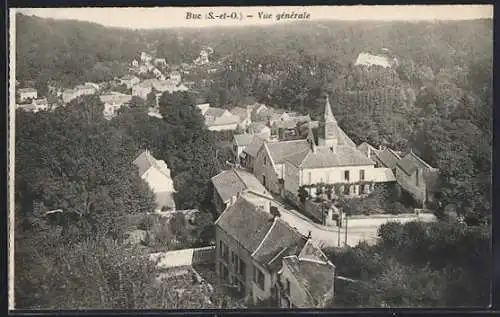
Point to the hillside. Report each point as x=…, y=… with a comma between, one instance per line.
x=71, y=52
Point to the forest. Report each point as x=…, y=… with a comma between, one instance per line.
x=437, y=102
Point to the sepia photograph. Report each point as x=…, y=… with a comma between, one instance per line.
x=250, y=157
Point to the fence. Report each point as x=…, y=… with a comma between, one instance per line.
x=205, y=255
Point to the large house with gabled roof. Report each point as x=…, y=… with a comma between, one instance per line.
x=227, y=185
x=327, y=157
x=252, y=243
x=412, y=173
x=157, y=175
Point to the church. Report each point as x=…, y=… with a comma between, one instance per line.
x=330, y=158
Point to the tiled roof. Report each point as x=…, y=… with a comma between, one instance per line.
x=215, y=112
x=254, y=146
x=388, y=157
x=280, y=150
x=325, y=157
x=315, y=277
x=281, y=240
x=223, y=120
x=364, y=147
x=24, y=90
x=291, y=122
x=411, y=162
x=243, y=139
x=240, y=112
x=231, y=182
x=257, y=127
x=143, y=162
x=245, y=223
x=312, y=252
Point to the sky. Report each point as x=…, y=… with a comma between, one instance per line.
x=166, y=17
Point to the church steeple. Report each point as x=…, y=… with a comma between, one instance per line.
x=330, y=133
x=328, y=116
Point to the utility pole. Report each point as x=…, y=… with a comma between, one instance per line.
x=339, y=223
x=345, y=242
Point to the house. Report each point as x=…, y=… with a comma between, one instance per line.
x=240, y=142
x=87, y=89
x=249, y=153
x=143, y=89
x=229, y=184
x=40, y=104
x=112, y=102
x=367, y=59
x=251, y=243
x=245, y=117
x=69, y=94
x=306, y=280
x=203, y=58
x=160, y=62
x=28, y=107
x=27, y=93
x=260, y=128
x=281, y=115
x=417, y=177
x=289, y=126
x=146, y=58
x=270, y=159
x=203, y=107
x=129, y=81
x=175, y=76
x=157, y=175
x=334, y=159
x=218, y=119
x=260, y=112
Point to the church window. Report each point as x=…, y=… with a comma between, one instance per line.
x=346, y=176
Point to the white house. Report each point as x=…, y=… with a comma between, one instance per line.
x=157, y=175
x=27, y=93
x=112, y=102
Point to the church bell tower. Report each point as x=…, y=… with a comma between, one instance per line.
x=330, y=135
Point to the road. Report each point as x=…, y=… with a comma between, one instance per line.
x=328, y=236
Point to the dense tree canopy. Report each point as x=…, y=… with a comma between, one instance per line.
x=417, y=265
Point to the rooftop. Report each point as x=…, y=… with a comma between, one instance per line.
x=315, y=277
x=254, y=146
x=243, y=139
x=234, y=181
x=280, y=150
x=323, y=157
x=245, y=223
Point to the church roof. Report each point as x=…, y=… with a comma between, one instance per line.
x=323, y=157
x=328, y=111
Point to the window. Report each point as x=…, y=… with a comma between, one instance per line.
x=416, y=178
x=221, y=250
x=234, y=261
x=243, y=268
x=265, y=160
x=226, y=253
x=362, y=175
x=346, y=175
x=258, y=277
x=264, y=180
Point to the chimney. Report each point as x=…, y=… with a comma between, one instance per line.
x=369, y=152
x=309, y=235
